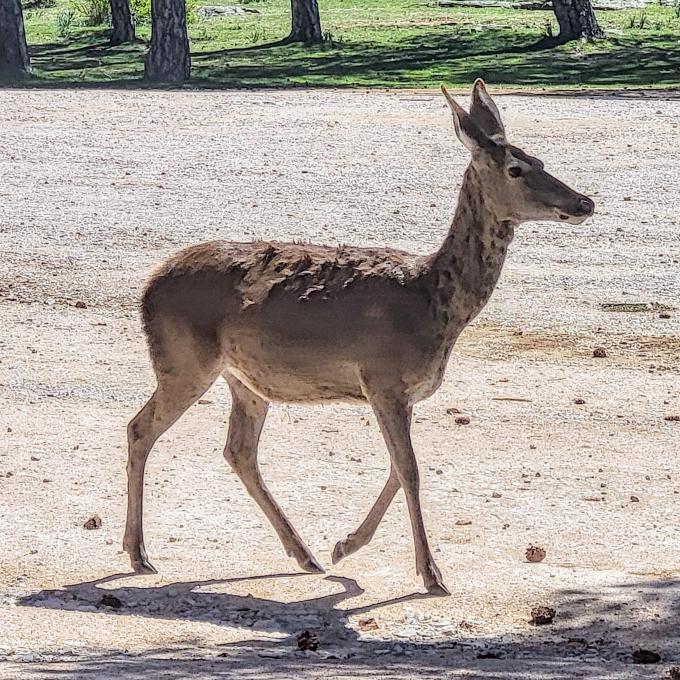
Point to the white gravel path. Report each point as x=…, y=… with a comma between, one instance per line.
x=97, y=186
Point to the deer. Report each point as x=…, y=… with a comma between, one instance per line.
x=299, y=323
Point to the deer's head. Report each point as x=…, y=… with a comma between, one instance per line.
x=514, y=183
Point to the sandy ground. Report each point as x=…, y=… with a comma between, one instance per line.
x=95, y=187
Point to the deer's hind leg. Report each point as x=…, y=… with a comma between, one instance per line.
x=248, y=413
x=363, y=535
x=185, y=369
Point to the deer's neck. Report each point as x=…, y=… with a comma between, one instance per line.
x=464, y=271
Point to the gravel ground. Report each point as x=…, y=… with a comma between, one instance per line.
x=95, y=187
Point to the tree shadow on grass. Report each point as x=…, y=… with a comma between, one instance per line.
x=602, y=627
x=89, y=56
x=450, y=58
x=501, y=56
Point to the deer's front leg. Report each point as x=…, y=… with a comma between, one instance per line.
x=393, y=414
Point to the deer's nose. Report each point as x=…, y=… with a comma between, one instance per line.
x=586, y=206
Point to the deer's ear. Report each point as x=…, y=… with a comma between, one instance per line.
x=485, y=113
x=469, y=133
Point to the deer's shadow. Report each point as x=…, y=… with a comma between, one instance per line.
x=608, y=623
x=207, y=601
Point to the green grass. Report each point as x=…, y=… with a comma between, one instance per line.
x=377, y=43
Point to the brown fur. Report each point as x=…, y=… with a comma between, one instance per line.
x=305, y=323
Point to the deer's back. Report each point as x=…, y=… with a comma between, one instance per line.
x=298, y=322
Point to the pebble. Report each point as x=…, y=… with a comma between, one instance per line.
x=645, y=656
x=94, y=522
x=541, y=616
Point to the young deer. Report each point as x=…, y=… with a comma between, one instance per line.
x=302, y=323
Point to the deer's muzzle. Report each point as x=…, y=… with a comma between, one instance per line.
x=582, y=208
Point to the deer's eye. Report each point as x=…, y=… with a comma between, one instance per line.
x=515, y=171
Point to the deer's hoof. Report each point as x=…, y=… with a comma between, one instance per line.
x=348, y=546
x=311, y=566
x=143, y=567
x=339, y=552
x=438, y=590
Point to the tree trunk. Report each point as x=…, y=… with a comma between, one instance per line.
x=577, y=20
x=121, y=20
x=306, y=25
x=168, y=59
x=14, y=61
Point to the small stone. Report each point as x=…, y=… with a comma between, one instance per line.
x=535, y=554
x=462, y=420
x=664, y=315
x=35, y=458
x=80, y=305
x=580, y=402
x=634, y=499
x=203, y=402
x=600, y=353
x=645, y=656
x=452, y=411
x=542, y=616
x=495, y=494
x=307, y=641
x=111, y=601
x=95, y=522
x=464, y=522
x=368, y=624
x=672, y=419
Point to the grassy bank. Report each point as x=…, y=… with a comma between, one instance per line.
x=375, y=43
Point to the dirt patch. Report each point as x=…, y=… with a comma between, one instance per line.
x=98, y=186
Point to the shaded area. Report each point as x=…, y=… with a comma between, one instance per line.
x=455, y=55
x=602, y=627
x=90, y=57
x=493, y=55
